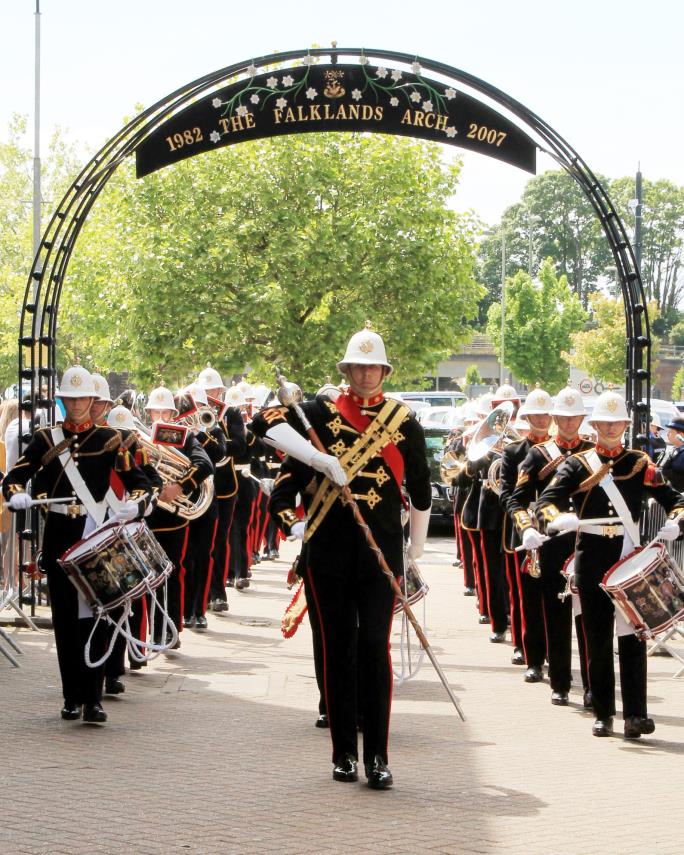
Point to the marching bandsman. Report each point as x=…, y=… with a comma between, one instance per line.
x=609, y=481
x=490, y=525
x=79, y=458
x=225, y=483
x=170, y=527
x=535, y=472
x=121, y=419
x=527, y=624
x=374, y=444
x=202, y=529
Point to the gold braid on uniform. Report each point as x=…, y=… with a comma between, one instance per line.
x=638, y=466
x=56, y=450
x=594, y=479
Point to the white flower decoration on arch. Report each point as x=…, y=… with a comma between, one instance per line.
x=415, y=97
x=357, y=95
x=381, y=72
x=450, y=93
x=272, y=82
x=214, y=136
x=216, y=103
x=451, y=132
x=311, y=93
x=288, y=80
x=396, y=75
x=281, y=103
x=254, y=98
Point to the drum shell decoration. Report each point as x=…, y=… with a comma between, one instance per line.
x=116, y=563
x=648, y=591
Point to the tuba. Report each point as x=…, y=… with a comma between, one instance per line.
x=171, y=466
x=493, y=433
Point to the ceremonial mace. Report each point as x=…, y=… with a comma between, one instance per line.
x=286, y=398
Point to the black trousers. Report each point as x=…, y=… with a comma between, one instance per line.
x=355, y=605
x=598, y=615
x=219, y=573
x=513, y=577
x=472, y=536
x=80, y=684
x=240, y=560
x=557, y=613
x=172, y=543
x=198, y=562
x=497, y=587
x=317, y=639
x=465, y=554
x=532, y=620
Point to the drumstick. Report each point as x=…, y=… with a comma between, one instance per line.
x=52, y=501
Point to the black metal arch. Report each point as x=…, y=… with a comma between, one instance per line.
x=38, y=325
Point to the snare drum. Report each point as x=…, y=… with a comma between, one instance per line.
x=116, y=563
x=412, y=586
x=648, y=588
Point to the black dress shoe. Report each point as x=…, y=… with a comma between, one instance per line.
x=71, y=712
x=603, y=727
x=230, y=583
x=219, y=605
x=560, y=699
x=518, y=657
x=587, y=700
x=94, y=713
x=135, y=666
x=469, y=592
x=189, y=622
x=345, y=769
x=322, y=721
x=637, y=726
x=497, y=637
x=534, y=674
x=241, y=584
x=114, y=686
x=378, y=774
x=483, y=619
x=200, y=622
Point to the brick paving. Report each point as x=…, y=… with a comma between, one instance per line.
x=212, y=750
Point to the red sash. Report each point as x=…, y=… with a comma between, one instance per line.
x=390, y=453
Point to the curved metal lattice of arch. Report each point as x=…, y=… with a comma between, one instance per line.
x=38, y=325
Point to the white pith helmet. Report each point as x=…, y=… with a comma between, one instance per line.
x=521, y=423
x=101, y=388
x=483, y=405
x=537, y=403
x=161, y=399
x=506, y=392
x=121, y=418
x=609, y=407
x=365, y=348
x=77, y=383
x=247, y=390
x=199, y=395
x=655, y=420
x=261, y=394
x=234, y=397
x=209, y=378
x=568, y=403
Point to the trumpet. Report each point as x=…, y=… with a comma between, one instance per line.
x=197, y=417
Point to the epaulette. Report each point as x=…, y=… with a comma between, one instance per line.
x=640, y=463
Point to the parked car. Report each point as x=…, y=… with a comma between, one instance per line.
x=442, y=512
x=450, y=417
x=432, y=399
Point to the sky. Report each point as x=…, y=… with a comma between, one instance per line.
x=607, y=75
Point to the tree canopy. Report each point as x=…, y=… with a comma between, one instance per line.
x=539, y=320
x=274, y=253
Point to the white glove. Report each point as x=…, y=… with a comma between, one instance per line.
x=286, y=438
x=266, y=485
x=532, y=539
x=20, y=501
x=564, y=522
x=330, y=467
x=297, y=530
x=128, y=511
x=670, y=531
x=420, y=520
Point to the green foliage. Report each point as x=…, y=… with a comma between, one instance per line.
x=472, y=375
x=553, y=219
x=16, y=237
x=662, y=228
x=677, y=334
x=540, y=318
x=677, y=384
x=274, y=253
x=601, y=351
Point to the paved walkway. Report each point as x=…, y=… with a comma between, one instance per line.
x=213, y=750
